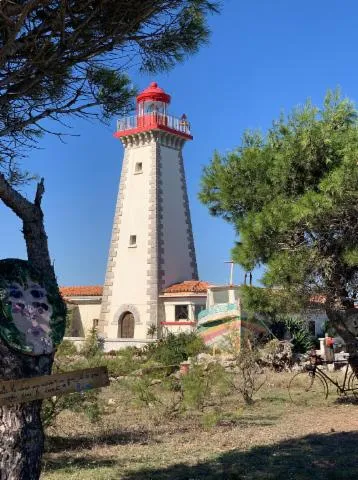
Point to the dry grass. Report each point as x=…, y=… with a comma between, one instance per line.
x=273, y=439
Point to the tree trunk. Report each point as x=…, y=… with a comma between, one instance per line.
x=21, y=431
x=22, y=436
x=345, y=322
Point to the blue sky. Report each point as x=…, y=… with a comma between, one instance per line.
x=264, y=57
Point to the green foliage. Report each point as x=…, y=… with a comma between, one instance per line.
x=66, y=348
x=177, y=394
x=79, y=60
x=124, y=363
x=174, y=349
x=152, y=330
x=297, y=327
x=87, y=403
x=199, y=384
x=93, y=344
x=292, y=196
x=84, y=403
x=246, y=379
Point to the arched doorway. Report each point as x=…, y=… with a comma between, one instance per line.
x=126, y=325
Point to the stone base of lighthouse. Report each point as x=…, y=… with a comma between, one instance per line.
x=152, y=242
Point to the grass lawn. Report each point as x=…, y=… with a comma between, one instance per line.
x=272, y=439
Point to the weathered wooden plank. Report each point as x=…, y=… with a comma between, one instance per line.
x=28, y=389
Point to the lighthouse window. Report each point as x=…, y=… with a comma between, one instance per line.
x=181, y=312
x=138, y=167
x=133, y=240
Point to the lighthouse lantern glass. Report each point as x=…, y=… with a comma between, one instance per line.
x=152, y=106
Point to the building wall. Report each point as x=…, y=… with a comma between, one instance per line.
x=179, y=262
x=153, y=206
x=319, y=317
x=82, y=317
x=129, y=270
x=169, y=306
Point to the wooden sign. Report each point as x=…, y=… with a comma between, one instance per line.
x=35, y=388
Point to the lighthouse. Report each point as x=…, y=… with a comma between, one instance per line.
x=152, y=244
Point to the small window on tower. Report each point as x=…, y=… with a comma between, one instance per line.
x=133, y=240
x=181, y=312
x=138, y=167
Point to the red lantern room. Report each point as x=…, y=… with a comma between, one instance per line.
x=152, y=114
x=152, y=100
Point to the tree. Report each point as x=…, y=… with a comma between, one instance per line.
x=292, y=196
x=61, y=58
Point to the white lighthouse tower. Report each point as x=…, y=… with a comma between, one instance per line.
x=152, y=243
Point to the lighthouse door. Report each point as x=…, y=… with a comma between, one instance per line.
x=126, y=326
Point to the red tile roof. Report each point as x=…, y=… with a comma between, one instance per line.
x=82, y=291
x=193, y=286
x=318, y=299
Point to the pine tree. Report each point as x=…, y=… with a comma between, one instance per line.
x=292, y=196
x=63, y=58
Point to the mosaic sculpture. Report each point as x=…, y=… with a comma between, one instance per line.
x=32, y=313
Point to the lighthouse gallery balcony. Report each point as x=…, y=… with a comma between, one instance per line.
x=153, y=121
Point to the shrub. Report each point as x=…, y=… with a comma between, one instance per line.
x=123, y=363
x=93, y=344
x=199, y=384
x=86, y=403
x=301, y=338
x=66, y=348
x=247, y=378
x=174, y=349
x=152, y=330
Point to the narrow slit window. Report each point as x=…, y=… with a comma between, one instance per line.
x=138, y=167
x=133, y=240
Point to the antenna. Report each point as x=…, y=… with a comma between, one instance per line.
x=231, y=270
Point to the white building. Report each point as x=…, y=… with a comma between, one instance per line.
x=151, y=284
x=151, y=279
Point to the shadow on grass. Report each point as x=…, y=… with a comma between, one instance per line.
x=319, y=457
x=248, y=420
x=349, y=399
x=69, y=464
x=55, y=444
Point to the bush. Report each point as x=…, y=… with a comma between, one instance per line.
x=301, y=338
x=93, y=344
x=175, y=349
x=247, y=378
x=199, y=384
x=123, y=363
x=66, y=348
x=86, y=403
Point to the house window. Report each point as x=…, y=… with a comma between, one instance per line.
x=133, y=240
x=198, y=309
x=138, y=168
x=181, y=312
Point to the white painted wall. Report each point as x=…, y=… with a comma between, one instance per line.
x=177, y=261
x=130, y=271
x=88, y=313
x=169, y=306
x=130, y=268
x=83, y=316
